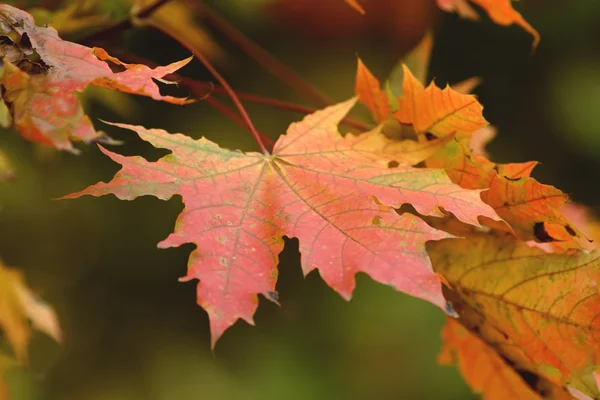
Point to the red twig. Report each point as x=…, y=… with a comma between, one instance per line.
x=201, y=89
x=269, y=62
x=222, y=108
x=226, y=87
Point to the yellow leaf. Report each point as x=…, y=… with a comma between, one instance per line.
x=18, y=306
x=540, y=311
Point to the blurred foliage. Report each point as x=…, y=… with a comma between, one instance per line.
x=131, y=331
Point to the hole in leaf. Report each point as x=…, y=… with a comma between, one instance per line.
x=393, y=164
x=570, y=230
x=430, y=136
x=115, y=68
x=25, y=42
x=540, y=233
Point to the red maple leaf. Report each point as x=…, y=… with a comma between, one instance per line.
x=335, y=194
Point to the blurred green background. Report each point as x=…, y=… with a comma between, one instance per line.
x=132, y=331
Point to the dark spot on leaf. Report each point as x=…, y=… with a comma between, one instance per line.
x=507, y=360
x=570, y=230
x=430, y=136
x=508, y=178
x=532, y=380
x=539, y=231
x=393, y=164
x=32, y=68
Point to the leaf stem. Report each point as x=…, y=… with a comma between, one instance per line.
x=270, y=63
x=222, y=108
x=238, y=104
x=201, y=89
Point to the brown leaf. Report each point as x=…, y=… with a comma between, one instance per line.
x=40, y=86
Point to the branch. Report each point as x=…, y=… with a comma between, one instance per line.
x=222, y=108
x=238, y=104
x=269, y=62
x=121, y=26
x=201, y=89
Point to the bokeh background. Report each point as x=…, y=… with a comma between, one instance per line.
x=132, y=331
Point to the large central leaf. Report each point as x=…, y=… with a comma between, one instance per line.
x=335, y=194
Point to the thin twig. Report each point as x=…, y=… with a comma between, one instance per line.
x=200, y=89
x=222, y=108
x=223, y=82
x=270, y=63
x=123, y=25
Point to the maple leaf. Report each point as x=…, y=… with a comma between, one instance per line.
x=335, y=194
x=438, y=111
x=499, y=11
x=540, y=311
x=368, y=91
x=483, y=369
x=532, y=209
x=42, y=73
x=18, y=305
x=356, y=5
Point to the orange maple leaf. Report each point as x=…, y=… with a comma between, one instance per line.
x=436, y=111
x=532, y=209
x=481, y=367
x=42, y=73
x=499, y=11
x=335, y=194
x=369, y=92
